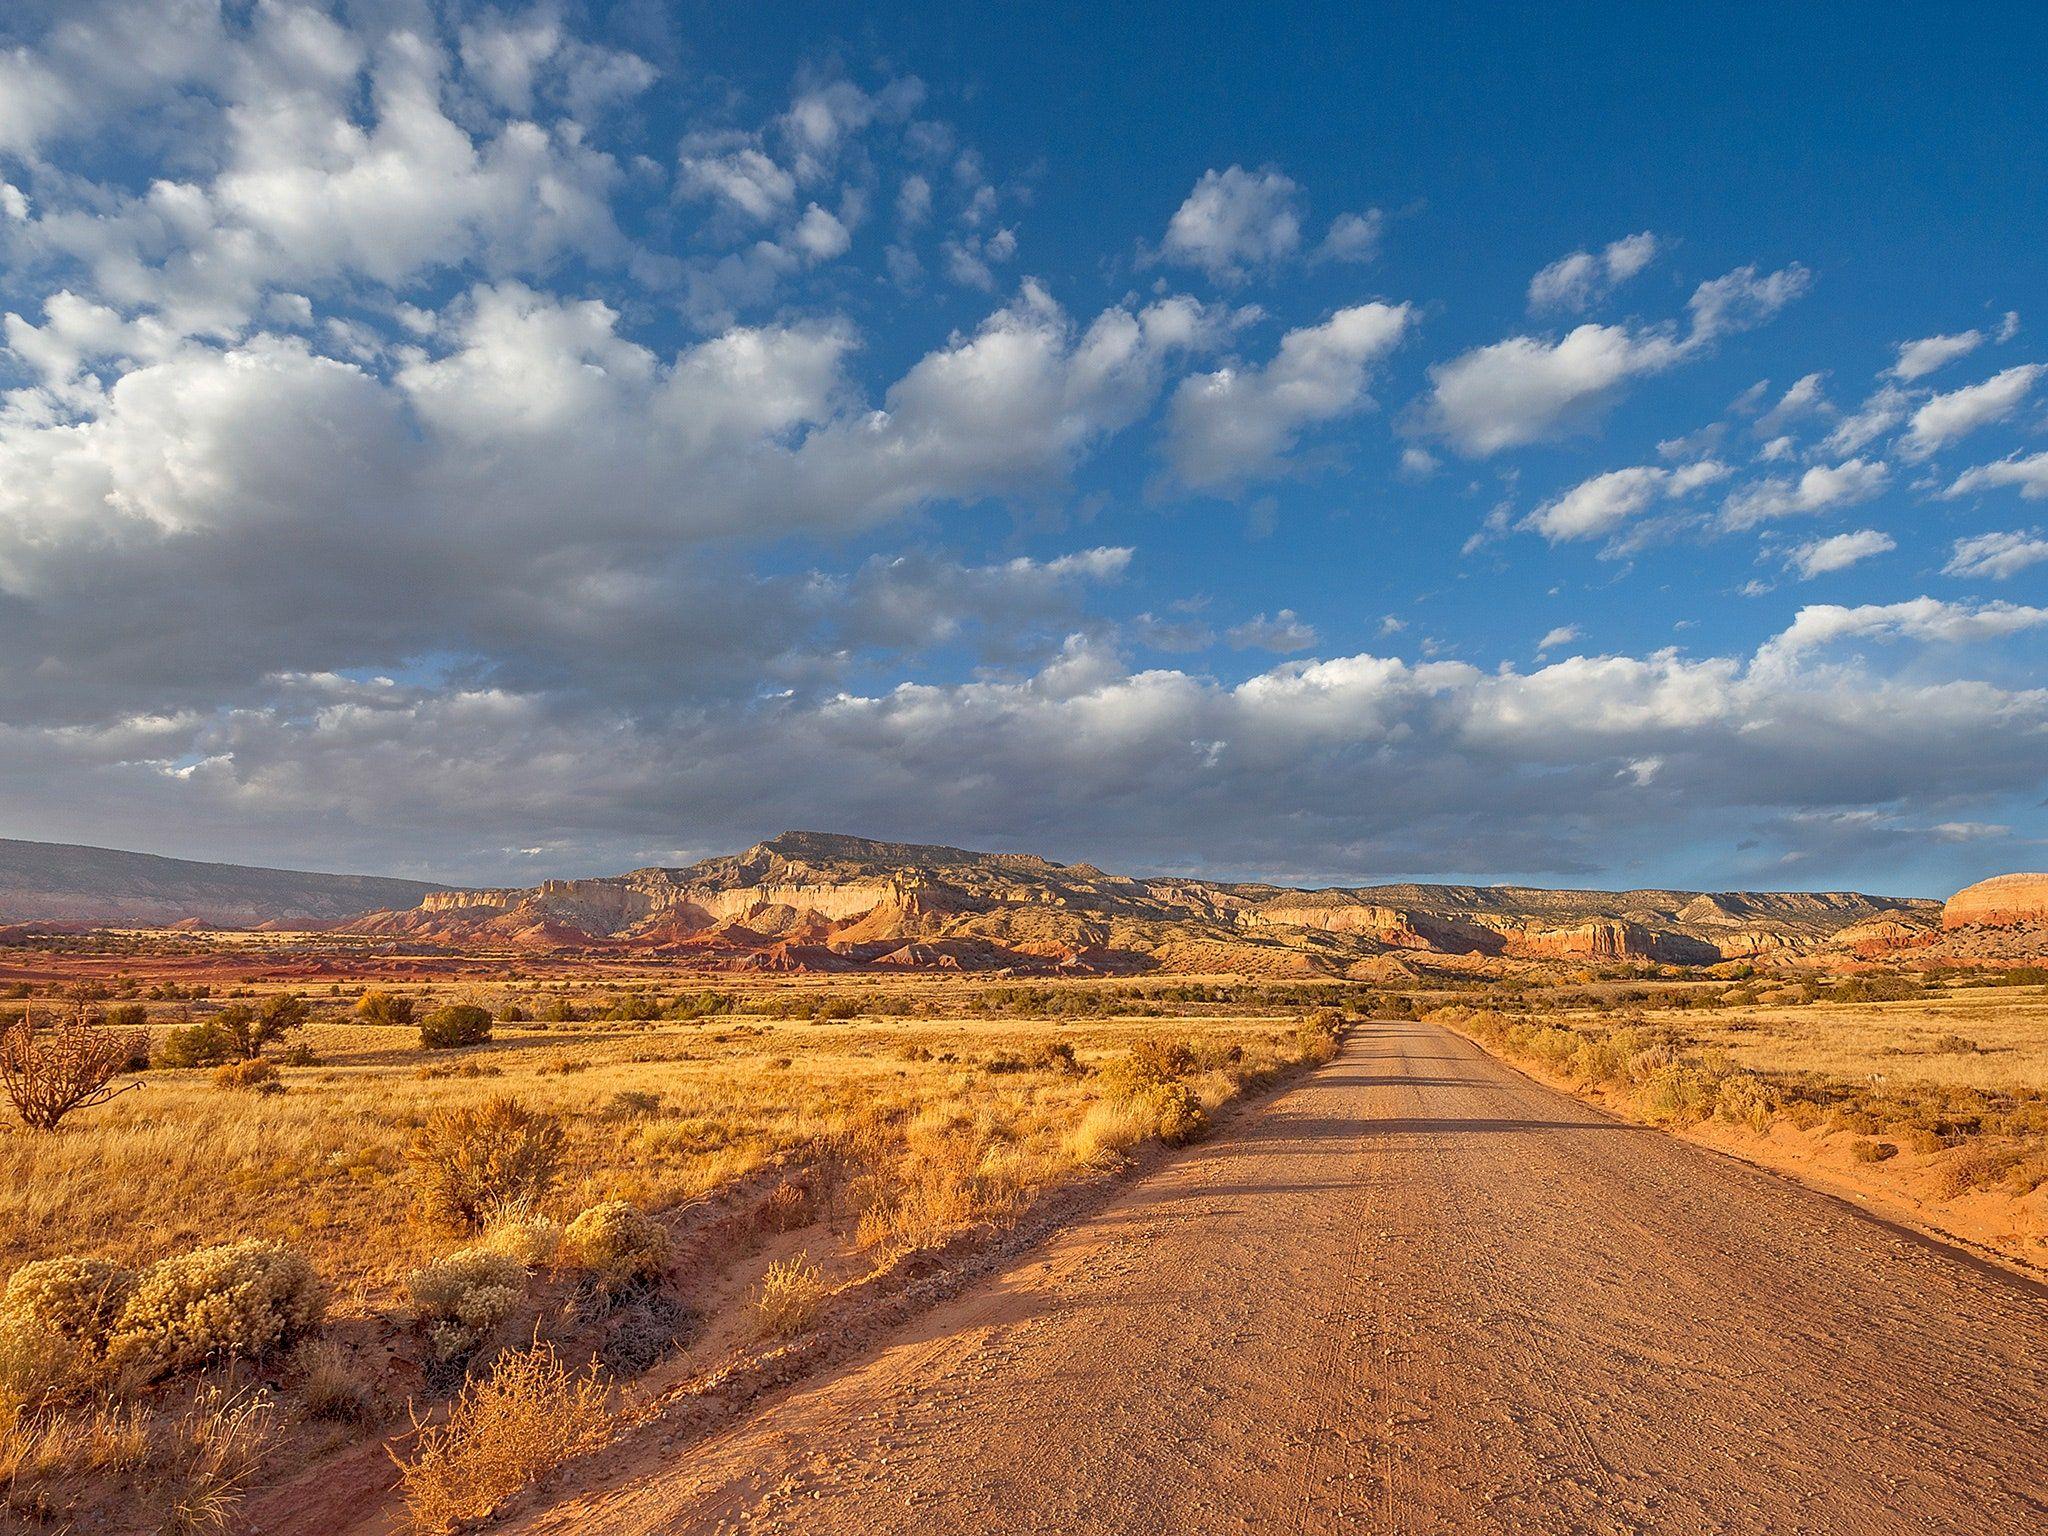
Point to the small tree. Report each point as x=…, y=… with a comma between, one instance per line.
x=48, y=1071
x=384, y=1008
x=280, y=1015
x=252, y=1029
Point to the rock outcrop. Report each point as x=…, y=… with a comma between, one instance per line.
x=812, y=900
x=2003, y=901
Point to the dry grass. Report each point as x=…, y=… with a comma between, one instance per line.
x=875, y=1127
x=323, y=1165
x=790, y=1294
x=504, y=1432
x=1899, y=1042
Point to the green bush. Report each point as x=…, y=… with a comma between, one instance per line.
x=242, y=1299
x=458, y=1024
x=205, y=1044
x=388, y=1008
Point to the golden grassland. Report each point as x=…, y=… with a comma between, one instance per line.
x=931, y=1112
x=1908, y=1041
x=731, y=1167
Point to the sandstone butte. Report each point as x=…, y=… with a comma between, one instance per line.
x=2003, y=901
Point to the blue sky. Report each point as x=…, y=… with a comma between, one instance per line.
x=1330, y=445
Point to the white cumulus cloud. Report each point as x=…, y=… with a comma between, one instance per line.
x=1996, y=555
x=1818, y=557
x=1576, y=281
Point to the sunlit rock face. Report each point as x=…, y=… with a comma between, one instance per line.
x=2003, y=901
x=820, y=901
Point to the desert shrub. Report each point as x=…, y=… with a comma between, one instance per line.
x=528, y=1237
x=458, y=1024
x=1953, y=1045
x=1055, y=1056
x=1678, y=1095
x=516, y=1425
x=632, y=1104
x=238, y=1299
x=375, y=1007
x=1150, y=1062
x=511, y=1013
x=460, y=1300
x=78, y=1298
x=469, y=1163
x=330, y=1387
x=1316, y=1040
x=787, y=1207
x=789, y=1297
x=558, y=1010
x=1744, y=1099
x=1175, y=1113
x=1977, y=1168
x=205, y=1044
x=1873, y=1151
x=617, y=1243
x=253, y=1072
x=48, y=1071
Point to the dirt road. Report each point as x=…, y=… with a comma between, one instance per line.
x=1417, y=1293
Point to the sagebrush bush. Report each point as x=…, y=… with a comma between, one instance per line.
x=461, y=1299
x=617, y=1242
x=77, y=1297
x=457, y=1025
x=242, y=1299
x=534, y=1240
x=516, y=1425
x=470, y=1163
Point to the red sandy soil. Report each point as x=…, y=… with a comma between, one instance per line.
x=1419, y=1292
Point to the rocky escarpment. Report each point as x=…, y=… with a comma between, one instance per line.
x=2003, y=901
x=810, y=900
